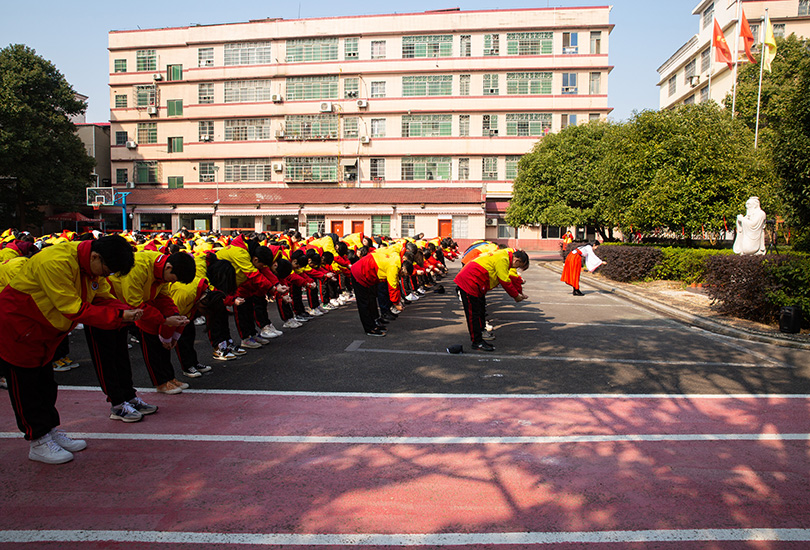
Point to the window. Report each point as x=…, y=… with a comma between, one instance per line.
x=804, y=8
x=237, y=170
x=673, y=85
x=206, y=130
x=596, y=42
x=704, y=94
x=489, y=125
x=174, y=72
x=512, y=167
x=312, y=49
x=351, y=48
x=120, y=101
x=407, y=225
x=378, y=49
x=311, y=169
x=378, y=89
x=705, y=60
x=427, y=125
x=570, y=43
x=757, y=38
x=147, y=132
x=377, y=127
x=205, y=93
x=689, y=71
x=529, y=43
x=248, y=91
x=377, y=169
x=463, y=169
x=121, y=138
x=465, y=49
x=568, y=120
x=595, y=87
x=316, y=224
x=528, y=83
x=174, y=107
x=463, y=125
x=175, y=145
x=528, y=124
x=427, y=46
x=689, y=100
x=433, y=85
x=146, y=95
x=121, y=176
x=779, y=30
x=492, y=45
x=146, y=60
x=708, y=15
x=552, y=231
x=320, y=126
x=310, y=87
x=489, y=168
x=459, y=227
x=146, y=171
x=120, y=65
x=252, y=129
x=205, y=57
x=175, y=182
x=426, y=168
x=381, y=225
x=351, y=88
x=569, y=83
x=247, y=53
x=351, y=127
x=491, y=84
x=207, y=172
x=464, y=84
x=505, y=231
x=593, y=117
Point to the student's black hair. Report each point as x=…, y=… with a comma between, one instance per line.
x=221, y=274
x=522, y=256
x=363, y=251
x=116, y=252
x=283, y=268
x=86, y=237
x=327, y=258
x=251, y=245
x=431, y=247
x=407, y=255
x=175, y=248
x=183, y=266
x=411, y=247
x=296, y=255
x=353, y=257
x=313, y=257
x=408, y=265
x=419, y=258
x=342, y=248
x=264, y=255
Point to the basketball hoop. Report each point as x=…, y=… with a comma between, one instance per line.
x=96, y=205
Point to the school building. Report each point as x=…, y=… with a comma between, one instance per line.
x=391, y=124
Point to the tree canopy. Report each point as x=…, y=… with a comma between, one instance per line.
x=42, y=160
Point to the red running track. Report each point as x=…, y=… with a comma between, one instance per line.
x=215, y=470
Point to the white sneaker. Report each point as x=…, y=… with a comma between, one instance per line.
x=334, y=303
x=270, y=332
x=66, y=442
x=394, y=310
x=46, y=450
x=199, y=321
x=314, y=312
x=488, y=327
x=323, y=309
x=79, y=327
x=412, y=297
x=291, y=323
x=301, y=318
x=421, y=291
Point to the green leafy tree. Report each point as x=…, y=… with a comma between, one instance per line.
x=561, y=182
x=41, y=158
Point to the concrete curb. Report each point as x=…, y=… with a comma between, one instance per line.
x=689, y=318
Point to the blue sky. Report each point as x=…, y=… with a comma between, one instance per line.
x=73, y=35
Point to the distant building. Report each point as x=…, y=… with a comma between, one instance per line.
x=388, y=124
x=96, y=139
x=684, y=77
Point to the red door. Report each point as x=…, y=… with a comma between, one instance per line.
x=445, y=228
x=337, y=228
x=357, y=227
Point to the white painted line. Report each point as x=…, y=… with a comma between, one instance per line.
x=416, y=539
x=354, y=345
x=443, y=440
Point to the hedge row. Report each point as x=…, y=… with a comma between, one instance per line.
x=749, y=287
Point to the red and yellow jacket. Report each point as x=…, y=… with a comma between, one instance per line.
x=53, y=292
x=9, y=269
x=379, y=266
x=237, y=253
x=486, y=272
x=186, y=296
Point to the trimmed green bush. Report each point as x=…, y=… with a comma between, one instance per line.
x=628, y=263
x=685, y=264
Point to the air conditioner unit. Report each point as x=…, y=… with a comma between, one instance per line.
x=492, y=221
x=351, y=94
x=207, y=137
x=280, y=134
x=276, y=98
x=278, y=167
x=694, y=80
x=492, y=91
x=130, y=185
x=365, y=139
x=326, y=107
x=152, y=110
x=351, y=54
x=493, y=132
x=157, y=76
x=362, y=103
x=132, y=145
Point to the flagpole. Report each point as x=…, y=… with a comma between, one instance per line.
x=711, y=64
x=761, y=70
x=736, y=59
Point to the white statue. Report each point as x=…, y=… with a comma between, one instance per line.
x=750, y=230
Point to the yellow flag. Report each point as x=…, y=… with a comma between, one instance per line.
x=769, y=46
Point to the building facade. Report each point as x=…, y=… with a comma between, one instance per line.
x=691, y=75
x=386, y=124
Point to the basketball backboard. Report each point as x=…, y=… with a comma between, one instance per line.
x=100, y=196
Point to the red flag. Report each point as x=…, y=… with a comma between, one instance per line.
x=747, y=36
x=722, y=51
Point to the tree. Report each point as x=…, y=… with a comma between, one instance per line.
x=560, y=181
x=41, y=158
